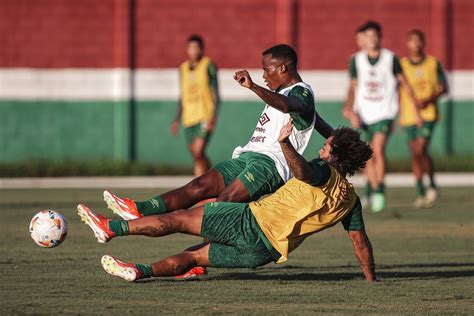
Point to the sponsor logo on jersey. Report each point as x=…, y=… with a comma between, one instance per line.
x=264, y=119
x=249, y=176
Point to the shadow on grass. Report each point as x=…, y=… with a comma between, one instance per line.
x=300, y=273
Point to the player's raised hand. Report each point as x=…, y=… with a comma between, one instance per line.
x=286, y=131
x=243, y=78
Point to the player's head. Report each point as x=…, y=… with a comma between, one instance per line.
x=345, y=150
x=361, y=42
x=278, y=63
x=373, y=34
x=195, y=47
x=416, y=41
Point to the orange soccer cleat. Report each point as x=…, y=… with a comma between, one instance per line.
x=125, y=208
x=115, y=267
x=193, y=273
x=98, y=223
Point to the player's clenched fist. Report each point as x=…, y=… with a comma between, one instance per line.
x=243, y=78
x=286, y=131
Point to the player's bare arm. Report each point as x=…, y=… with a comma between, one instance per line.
x=278, y=101
x=300, y=168
x=364, y=254
x=322, y=127
x=440, y=90
x=348, y=110
x=175, y=123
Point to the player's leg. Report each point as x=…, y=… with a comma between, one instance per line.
x=182, y=221
x=171, y=266
x=369, y=170
x=416, y=164
x=379, y=142
x=432, y=193
x=201, y=162
x=209, y=185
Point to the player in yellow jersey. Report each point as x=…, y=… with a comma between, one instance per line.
x=425, y=75
x=199, y=102
x=254, y=234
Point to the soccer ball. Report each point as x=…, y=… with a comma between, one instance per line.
x=48, y=229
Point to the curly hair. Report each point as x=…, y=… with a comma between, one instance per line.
x=348, y=152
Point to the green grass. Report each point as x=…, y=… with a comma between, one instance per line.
x=425, y=259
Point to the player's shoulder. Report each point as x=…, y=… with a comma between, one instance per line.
x=184, y=64
x=301, y=88
x=431, y=59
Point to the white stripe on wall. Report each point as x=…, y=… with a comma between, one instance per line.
x=162, y=84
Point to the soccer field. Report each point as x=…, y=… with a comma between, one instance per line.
x=425, y=260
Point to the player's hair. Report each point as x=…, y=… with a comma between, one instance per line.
x=372, y=25
x=360, y=29
x=284, y=52
x=418, y=33
x=348, y=152
x=196, y=38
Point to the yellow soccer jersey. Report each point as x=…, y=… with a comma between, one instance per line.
x=196, y=93
x=298, y=210
x=424, y=78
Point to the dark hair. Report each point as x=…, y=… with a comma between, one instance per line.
x=372, y=25
x=418, y=33
x=196, y=38
x=283, y=52
x=348, y=152
x=360, y=29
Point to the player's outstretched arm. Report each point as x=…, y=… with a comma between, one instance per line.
x=364, y=253
x=278, y=101
x=300, y=168
x=322, y=127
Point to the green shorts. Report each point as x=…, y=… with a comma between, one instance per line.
x=236, y=239
x=257, y=172
x=383, y=126
x=196, y=131
x=413, y=132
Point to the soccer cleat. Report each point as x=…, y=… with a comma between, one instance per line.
x=193, y=273
x=98, y=223
x=431, y=197
x=115, y=267
x=419, y=202
x=378, y=202
x=125, y=208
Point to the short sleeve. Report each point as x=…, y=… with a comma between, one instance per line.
x=212, y=72
x=303, y=120
x=397, y=68
x=354, y=220
x=440, y=72
x=352, y=68
x=321, y=172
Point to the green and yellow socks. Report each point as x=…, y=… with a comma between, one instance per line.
x=153, y=206
x=145, y=269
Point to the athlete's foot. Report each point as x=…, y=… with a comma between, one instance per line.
x=193, y=273
x=378, y=202
x=419, y=202
x=431, y=196
x=125, y=208
x=98, y=223
x=115, y=267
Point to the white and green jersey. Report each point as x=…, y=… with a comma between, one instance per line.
x=264, y=139
x=376, y=95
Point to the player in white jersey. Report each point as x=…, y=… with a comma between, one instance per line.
x=258, y=168
x=372, y=105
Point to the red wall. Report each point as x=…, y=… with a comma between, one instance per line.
x=92, y=33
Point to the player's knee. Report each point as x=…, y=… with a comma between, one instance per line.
x=229, y=196
x=198, y=186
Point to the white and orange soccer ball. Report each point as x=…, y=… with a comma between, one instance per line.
x=48, y=229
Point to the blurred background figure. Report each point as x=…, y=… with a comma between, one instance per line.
x=425, y=75
x=372, y=105
x=199, y=102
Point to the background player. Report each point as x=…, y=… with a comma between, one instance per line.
x=372, y=105
x=254, y=234
x=425, y=75
x=198, y=105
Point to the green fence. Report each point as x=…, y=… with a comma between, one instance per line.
x=84, y=131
